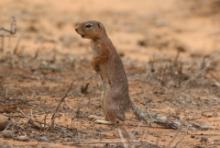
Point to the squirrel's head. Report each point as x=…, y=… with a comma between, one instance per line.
x=90, y=29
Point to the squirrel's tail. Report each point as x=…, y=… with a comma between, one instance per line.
x=140, y=114
x=150, y=117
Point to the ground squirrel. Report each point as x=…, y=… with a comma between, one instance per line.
x=108, y=64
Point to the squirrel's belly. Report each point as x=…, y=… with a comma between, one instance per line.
x=104, y=75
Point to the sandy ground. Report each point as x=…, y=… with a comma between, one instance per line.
x=171, y=52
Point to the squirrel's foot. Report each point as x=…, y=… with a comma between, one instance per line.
x=102, y=121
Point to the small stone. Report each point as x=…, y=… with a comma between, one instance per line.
x=142, y=43
x=162, y=118
x=3, y=122
x=201, y=126
x=23, y=138
x=42, y=138
x=192, y=136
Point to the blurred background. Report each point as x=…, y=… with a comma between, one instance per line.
x=137, y=28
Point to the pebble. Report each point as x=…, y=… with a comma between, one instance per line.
x=42, y=138
x=23, y=138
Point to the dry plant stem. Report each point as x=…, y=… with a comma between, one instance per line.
x=127, y=136
x=54, y=58
x=13, y=26
x=178, y=142
x=7, y=32
x=36, y=54
x=174, y=137
x=110, y=141
x=12, y=30
x=15, y=51
x=176, y=59
x=45, y=121
x=122, y=138
x=59, y=104
x=202, y=70
x=182, y=138
x=34, y=124
x=9, y=42
x=215, y=79
x=2, y=43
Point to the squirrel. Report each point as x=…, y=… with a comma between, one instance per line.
x=108, y=64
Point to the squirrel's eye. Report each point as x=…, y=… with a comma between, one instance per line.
x=88, y=25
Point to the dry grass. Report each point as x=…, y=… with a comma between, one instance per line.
x=203, y=7
x=31, y=93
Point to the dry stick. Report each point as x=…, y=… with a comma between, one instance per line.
x=59, y=104
x=110, y=141
x=9, y=42
x=54, y=58
x=122, y=138
x=45, y=121
x=2, y=43
x=174, y=137
x=182, y=138
x=7, y=32
x=36, y=54
x=15, y=50
x=34, y=124
x=13, y=26
x=176, y=59
x=217, y=82
x=203, y=69
x=178, y=142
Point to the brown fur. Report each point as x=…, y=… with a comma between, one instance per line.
x=108, y=64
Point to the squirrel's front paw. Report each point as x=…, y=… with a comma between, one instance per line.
x=96, y=67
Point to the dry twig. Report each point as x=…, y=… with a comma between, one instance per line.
x=7, y=32
x=123, y=140
x=59, y=104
